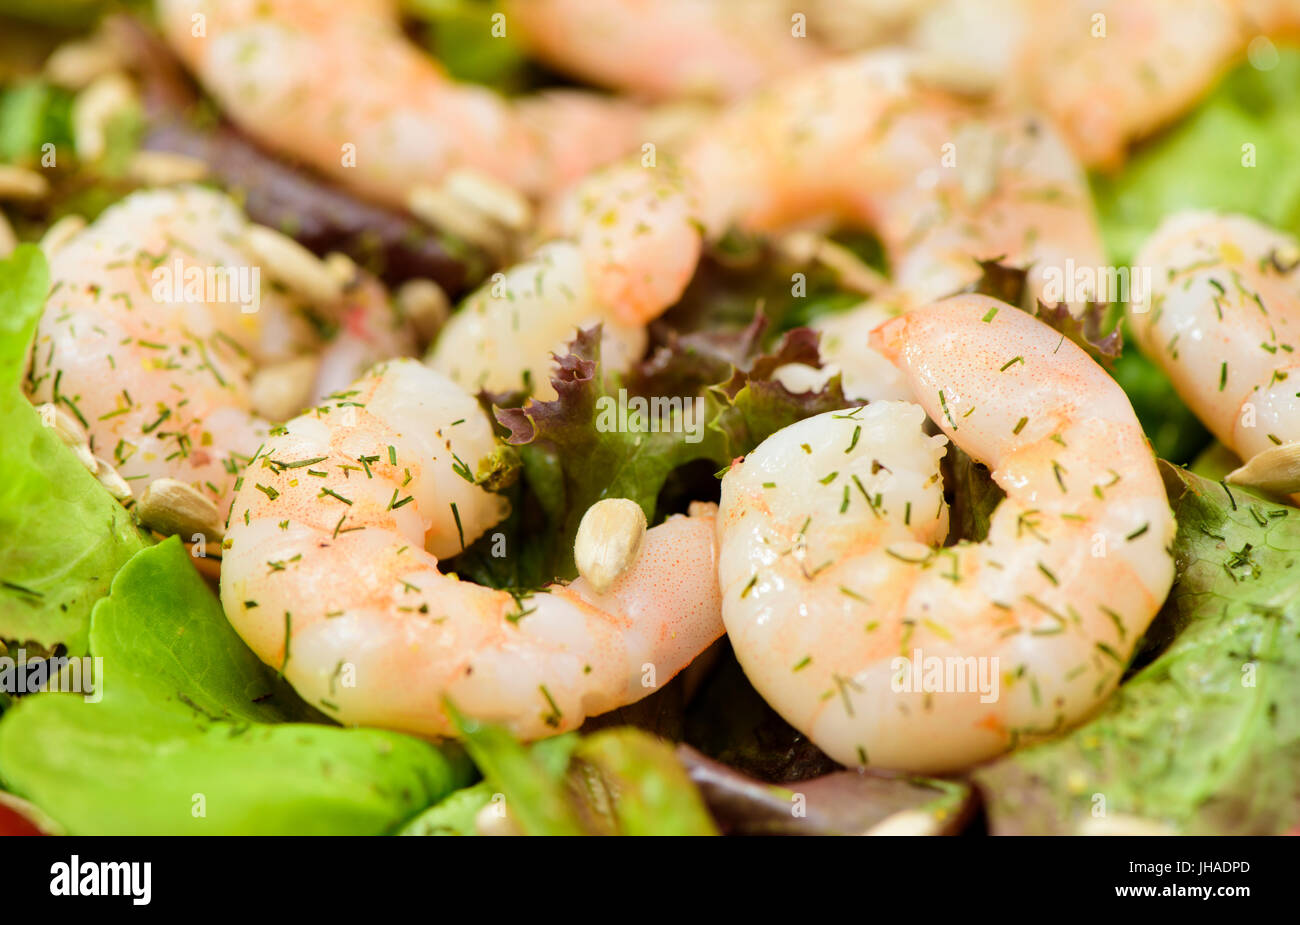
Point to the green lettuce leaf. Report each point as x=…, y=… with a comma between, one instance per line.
x=63, y=13
x=454, y=815
x=194, y=735
x=460, y=35
x=1205, y=739
x=631, y=783
x=618, y=781
x=1202, y=161
x=62, y=536
x=33, y=113
x=576, y=449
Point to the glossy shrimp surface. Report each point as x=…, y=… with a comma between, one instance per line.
x=339, y=86
x=330, y=574
x=157, y=318
x=1223, y=322
x=624, y=245
x=942, y=182
x=835, y=583
x=1107, y=73
x=667, y=49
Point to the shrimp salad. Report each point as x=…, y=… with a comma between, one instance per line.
x=693, y=417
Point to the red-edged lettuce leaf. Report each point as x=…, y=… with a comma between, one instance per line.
x=579, y=447
x=1094, y=329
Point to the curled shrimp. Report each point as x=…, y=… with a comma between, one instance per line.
x=340, y=87
x=835, y=584
x=667, y=49
x=1107, y=72
x=624, y=244
x=156, y=321
x=943, y=183
x=1223, y=322
x=330, y=574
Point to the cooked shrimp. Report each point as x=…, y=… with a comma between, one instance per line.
x=1106, y=71
x=330, y=575
x=943, y=184
x=156, y=320
x=625, y=245
x=339, y=86
x=1223, y=323
x=667, y=49
x=833, y=574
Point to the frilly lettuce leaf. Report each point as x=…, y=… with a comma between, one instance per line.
x=1092, y=328
x=194, y=735
x=575, y=450
x=1204, y=739
x=62, y=536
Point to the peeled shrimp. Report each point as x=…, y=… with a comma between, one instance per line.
x=834, y=581
x=624, y=245
x=1106, y=71
x=1223, y=323
x=330, y=574
x=340, y=87
x=155, y=322
x=942, y=182
x=667, y=49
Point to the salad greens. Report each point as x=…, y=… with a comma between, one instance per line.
x=63, y=535
x=188, y=732
x=62, y=13
x=574, y=454
x=1238, y=151
x=460, y=34
x=1205, y=738
x=194, y=735
x=612, y=782
x=34, y=113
